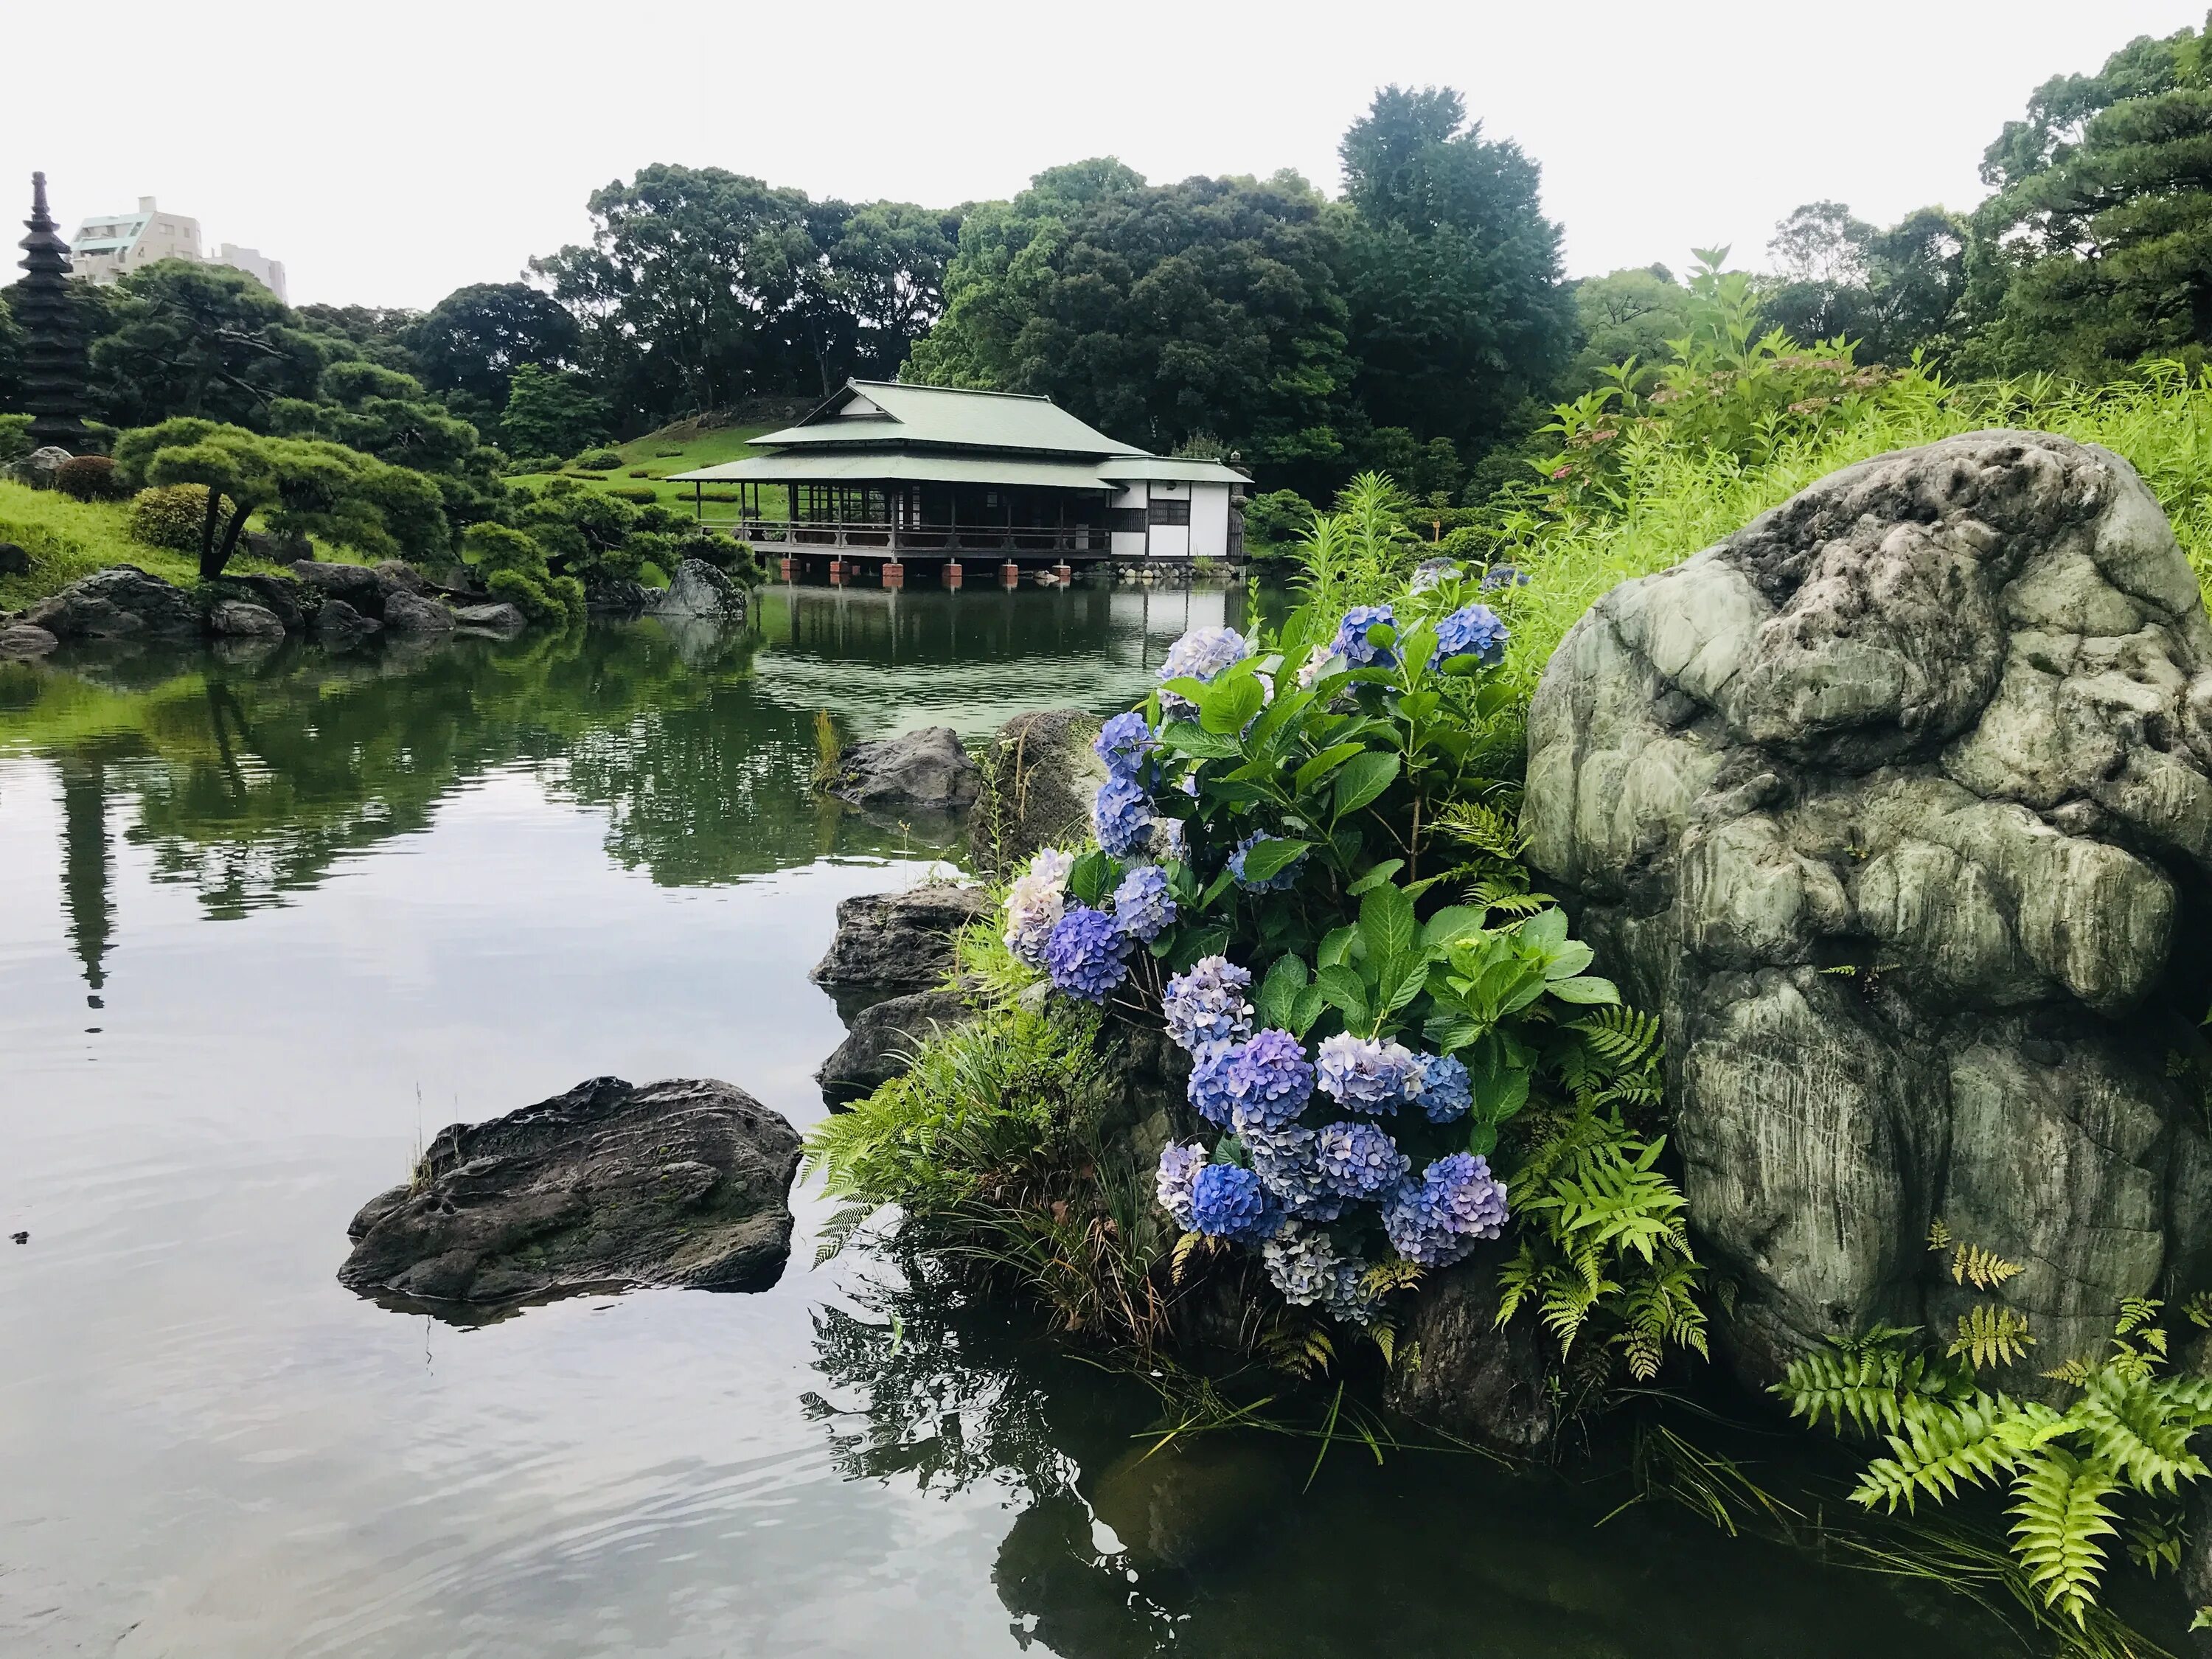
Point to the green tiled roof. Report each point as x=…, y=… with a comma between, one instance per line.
x=943, y=415
x=817, y=465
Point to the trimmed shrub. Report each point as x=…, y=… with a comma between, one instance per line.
x=640, y=472
x=600, y=460
x=169, y=515
x=90, y=479
x=642, y=495
x=526, y=463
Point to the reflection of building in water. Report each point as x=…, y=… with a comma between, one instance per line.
x=86, y=867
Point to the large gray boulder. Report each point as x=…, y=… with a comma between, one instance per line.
x=923, y=771
x=20, y=641
x=698, y=589
x=890, y=945
x=682, y=1183
x=500, y=618
x=1897, y=804
x=355, y=584
x=339, y=627
x=41, y=466
x=1040, y=774
x=121, y=602
x=243, y=619
x=1464, y=1374
x=882, y=1040
x=406, y=612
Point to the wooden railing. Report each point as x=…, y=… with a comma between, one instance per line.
x=890, y=539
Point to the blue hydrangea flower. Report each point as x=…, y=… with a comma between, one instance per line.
x=1121, y=817
x=1208, y=1092
x=1206, y=1009
x=1123, y=742
x=1361, y=1074
x=1416, y=1234
x=1199, y=655
x=1301, y=1263
x=1226, y=1202
x=1504, y=576
x=1440, y=1218
x=1440, y=1086
x=1274, y=884
x=1432, y=573
x=1289, y=1167
x=1267, y=1081
x=1034, y=903
x=1472, y=630
x=1143, y=907
x=1346, y=1296
x=1179, y=1167
x=1085, y=956
x=1359, y=1160
x=1352, y=643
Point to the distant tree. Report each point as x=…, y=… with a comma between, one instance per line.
x=472, y=341
x=204, y=341
x=2096, y=249
x=1156, y=312
x=389, y=415
x=1451, y=271
x=1625, y=314
x=301, y=485
x=551, y=411
x=1893, y=291
x=876, y=289
x=379, y=334
x=11, y=358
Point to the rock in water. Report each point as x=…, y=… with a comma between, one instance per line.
x=338, y=625
x=240, y=619
x=924, y=771
x=357, y=585
x=1039, y=775
x=409, y=612
x=1474, y=1380
x=19, y=640
x=490, y=618
x=121, y=602
x=1893, y=804
x=881, y=1044
x=683, y=1182
x=889, y=944
x=698, y=589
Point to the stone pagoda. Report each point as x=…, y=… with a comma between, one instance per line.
x=53, y=337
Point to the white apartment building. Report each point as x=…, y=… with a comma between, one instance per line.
x=108, y=246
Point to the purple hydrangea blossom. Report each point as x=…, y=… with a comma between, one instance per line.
x=1033, y=904
x=1121, y=817
x=1346, y=1296
x=1227, y=1202
x=1439, y=1219
x=1206, y=1009
x=1361, y=1074
x=1275, y=883
x=1179, y=1167
x=1504, y=576
x=1208, y=1092
x=1440, y=1086
x=1123, y=742
x=1085, y=955
x=1359, y=1160
x=1301, y=1263
x=1415, y=1233
x=1267, y=1081
x=1433, y=572
x=1289, y=1167
x=1199, y=655
x=1144, y=908
x=1352, y=642
x=1472, y=630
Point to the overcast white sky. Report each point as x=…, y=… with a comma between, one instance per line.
x=390, y=152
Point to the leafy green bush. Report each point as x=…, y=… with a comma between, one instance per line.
x=528, y=463
x=643, y=494
x=169, y=515
x=15, y=438
x=90, y=479
x=1275, y=520
x=599, y=460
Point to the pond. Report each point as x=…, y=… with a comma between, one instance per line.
x=265, y=926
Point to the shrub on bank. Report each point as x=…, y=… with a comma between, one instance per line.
x=599, y=460
x=169, y=515
x=90, y=479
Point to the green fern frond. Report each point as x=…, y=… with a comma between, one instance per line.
x=1984, y=1269
x=2137, y=1313
x=2060, y=1512
x=2139, y=1429
x=1939, y=1445
x=1388, y=1277
x=837, y=1232
x=2198, y=1309
x=1991, y=1333
x=1938, y=1237
x=2154, y=1542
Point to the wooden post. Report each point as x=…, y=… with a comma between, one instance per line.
x=894, y=574
x=1010, y=574
x=953, y=574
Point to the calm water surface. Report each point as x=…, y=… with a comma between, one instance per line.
x=264, y=926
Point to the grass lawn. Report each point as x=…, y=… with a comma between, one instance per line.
x=683, y=447
x=68, y=540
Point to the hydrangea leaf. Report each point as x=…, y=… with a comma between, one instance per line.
x=1269, y=856
x=1276, y=1000
x=1584, y=988
x=1362, y=779
x=1374, y=877
x=1325, y=762
x=1093, y=876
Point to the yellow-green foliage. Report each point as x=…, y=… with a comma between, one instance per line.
x=170, y=515
x=67, y=540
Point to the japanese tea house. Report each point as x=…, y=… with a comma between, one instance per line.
x=882, y=474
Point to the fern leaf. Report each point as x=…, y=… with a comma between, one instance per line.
x=2060, y=1513
x=1941, y=1444
x=837, y=1232
x=1938, y=1237
x=1991, y=1333
x=2138, y=1429
x=1984, y=1269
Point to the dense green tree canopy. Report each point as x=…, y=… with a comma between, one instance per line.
x=1895, y=291
x=472, y=342
x=1155, y=312
x=2096, y=249
x=388, y=415
x=203, y=341
x=1451, y=271
x=1622, y=315
x=551, y=411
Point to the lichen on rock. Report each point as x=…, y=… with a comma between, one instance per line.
x=1898, y=805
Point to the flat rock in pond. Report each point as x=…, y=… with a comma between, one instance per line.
x=683, y=1182
x=121, y=602
x=490, y=618
x=889, y=944
x=242, y=619
x=882, y=1040
x=924, y=771
x=21, y=640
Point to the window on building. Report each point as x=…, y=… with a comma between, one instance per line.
x=1168, y=513
x=1127, y=520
